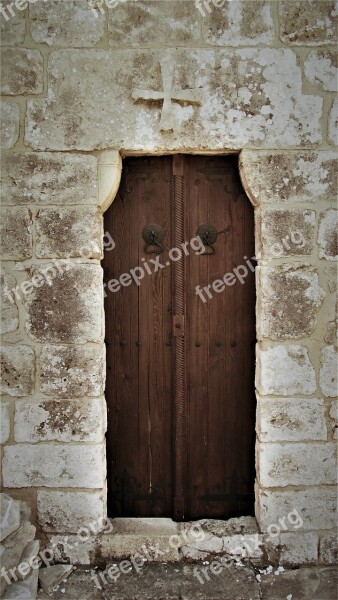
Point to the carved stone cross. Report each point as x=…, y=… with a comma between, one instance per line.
x=168, y=96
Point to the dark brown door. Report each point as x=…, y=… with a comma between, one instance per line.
x=180, y=334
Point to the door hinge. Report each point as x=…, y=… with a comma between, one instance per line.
x=178, y=326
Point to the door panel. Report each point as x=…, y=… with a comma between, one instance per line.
x=207, y=438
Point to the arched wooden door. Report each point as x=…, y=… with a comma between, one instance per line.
x=180, y=335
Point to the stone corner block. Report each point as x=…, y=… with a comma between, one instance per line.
x=60, y=512
x=16, y=233
x=18, y=370
x=327, y=235
x=282, y=233
x=109, y=176
x=298, y=549
x=284, y=370
x=22, y=71
x=328, y=371
x=10, y=124
x=290, y=420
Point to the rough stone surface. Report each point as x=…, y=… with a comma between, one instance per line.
x=235, y=526
x=67, y=549
x=17, y=368
x=327, y=235
x=288, y=302
x=12, y=548
x=118, y=547
x=298, y=548
x=334, y=416
x=296, y=464
x=5, y=424
x=284, y=370
x=60, y=421
x=68, y=511
x=9, y=127
x=12, y=27
x=333, y=123
x=29, y=553
x=26, y=589
x=68, y=306
x=328, y=371
x=51, y=465
x=271, y=177
x=300, y=584
x=328, y=549
x=51, y=577
x=268, y=85
x=320, y=68
x=290, y=420
x=310, y=23
x=16, y=233
x=10, y=516
x=69, y=232
x=49, y=178
x=9, y=318
x=80, y=583
x=285, y=233
x=75, y=25
x=308, y=504
x=72, y=372
x=171, y=24
x=22, y=71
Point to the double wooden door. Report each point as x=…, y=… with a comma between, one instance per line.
x=180, y=361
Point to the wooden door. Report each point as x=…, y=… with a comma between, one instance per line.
x=180, y=346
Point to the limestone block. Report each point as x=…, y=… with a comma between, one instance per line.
x=288, y=301
x=67, y=549
x=240, y=23
x=328, y=549
x=284, y=370
x=69, y=232
x=9, y=318
x=290, y=420
x=285, y=233
x=333, y=123
x=49, y=178
x=327, y=235
x=284, y=177
x=118, y=547
x=5, y=424
x=12, y=548
x=320, y=68
x=9, y=127
x=12, y=25
x=51, y=577
x=16, y=233
x=66, y=305
x=297, y=548
x=67, y=372
x=10, y=516
x=50, y=465
x=60, y=421
x=17, y=368
x=22, y=71
x=296, y=464
x=334, y=416
x=27, y=588
x=71, y=512
x=307, y=509
x=29, y=553
x=308, y=23
x=253, y=111
x=74, y=25
x=328, y=371
x=152, y=23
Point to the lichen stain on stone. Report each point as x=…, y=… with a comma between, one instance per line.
x=60, y=417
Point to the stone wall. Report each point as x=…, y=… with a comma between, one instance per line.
x=258, y=79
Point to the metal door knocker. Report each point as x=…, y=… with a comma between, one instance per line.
x=208, y=235
x=153, y=235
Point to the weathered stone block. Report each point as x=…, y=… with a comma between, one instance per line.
x=284, y=370
x=173, y=23
x=328, y=371
x=285, y=233
x=27, y=588
x=9, y=126
x=72, y=372
x=53, y=576
x=298, y=548
x=290, y=420
x=240, y=23
x=280, y=176
x=327, y=235
x=69, y=232
x=333, y=123
x=308, y=23
x=328, y=549
x=12, y=25
x=22, y=71
x=74, y=25
x=9, y=310
x=296, y=464
x=308, y=509
x=51, y=465
x=71, y=512
x=330, y=333
x=320, y=68
x=66, y=305
x=12, y=548
x=123, y=546
x=10, y=516
x=334, y=416
x=254, y=110
x=288, y=302
x=17, y=368
x=5, y=424
x=49, y=178
x=60, y=421
x=16, y=233
x=68, y=550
